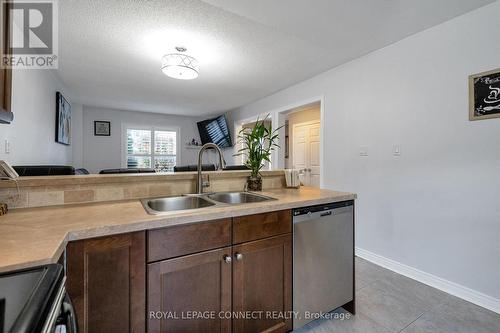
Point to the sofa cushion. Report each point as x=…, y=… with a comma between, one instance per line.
x=44, y=170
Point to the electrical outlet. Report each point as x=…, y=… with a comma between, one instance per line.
x=396, y=150
x=363, y=151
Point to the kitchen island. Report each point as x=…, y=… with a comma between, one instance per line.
x=149, y=259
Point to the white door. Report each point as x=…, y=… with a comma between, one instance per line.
x=306, y=143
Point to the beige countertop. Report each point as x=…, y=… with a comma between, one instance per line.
x=37, y=236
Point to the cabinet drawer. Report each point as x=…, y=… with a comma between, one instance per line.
x=186, y=239
x=253, y=227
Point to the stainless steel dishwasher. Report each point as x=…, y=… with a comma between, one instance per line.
x=323, y=259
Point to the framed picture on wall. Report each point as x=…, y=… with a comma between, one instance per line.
x=63, y=120
x=484, y=95
x=102, y=128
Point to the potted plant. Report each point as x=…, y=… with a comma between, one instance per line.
x=257, y=144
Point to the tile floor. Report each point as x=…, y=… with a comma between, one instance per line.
x=388, y=303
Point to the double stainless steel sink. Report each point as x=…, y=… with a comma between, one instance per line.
x=170, y=204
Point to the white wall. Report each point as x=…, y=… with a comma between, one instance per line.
x=101, y=152
x=435, y=207
x=32, y=133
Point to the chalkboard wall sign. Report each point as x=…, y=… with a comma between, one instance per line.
x=484, y=95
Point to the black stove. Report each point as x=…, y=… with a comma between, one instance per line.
x=35, y=300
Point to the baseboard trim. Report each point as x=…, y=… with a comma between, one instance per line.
x=449, y=287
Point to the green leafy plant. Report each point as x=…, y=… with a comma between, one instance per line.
x=257, y=144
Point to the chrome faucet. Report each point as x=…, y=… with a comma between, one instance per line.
x=222, y=164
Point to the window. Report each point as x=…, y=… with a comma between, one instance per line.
x=151, y=148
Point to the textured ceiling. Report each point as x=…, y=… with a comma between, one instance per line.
x=110, y=50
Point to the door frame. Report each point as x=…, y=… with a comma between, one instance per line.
x=279, y=113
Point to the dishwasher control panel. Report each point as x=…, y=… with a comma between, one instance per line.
x=320, y=208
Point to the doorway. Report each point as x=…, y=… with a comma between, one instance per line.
x=302, y=151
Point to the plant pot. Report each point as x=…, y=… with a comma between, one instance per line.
x=254, y=183
x=3, y=209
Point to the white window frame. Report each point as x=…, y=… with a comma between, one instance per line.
x=152, y=129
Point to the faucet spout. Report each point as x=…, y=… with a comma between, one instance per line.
x=222, y=164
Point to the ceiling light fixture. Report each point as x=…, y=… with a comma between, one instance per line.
x=180, y=65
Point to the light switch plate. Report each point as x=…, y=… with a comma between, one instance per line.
x=7, y=147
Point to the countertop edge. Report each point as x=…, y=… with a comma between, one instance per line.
x=35, y=263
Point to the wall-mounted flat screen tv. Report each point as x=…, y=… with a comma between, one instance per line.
x=215, y=131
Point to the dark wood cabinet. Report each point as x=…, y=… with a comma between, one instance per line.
x=187, y=294
x=255, y=281
x=193, y=278
x=106, y=281
x=262, y=283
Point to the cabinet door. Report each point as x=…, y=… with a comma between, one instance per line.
x=262, y=281
x=106, y=281
x=193, y=285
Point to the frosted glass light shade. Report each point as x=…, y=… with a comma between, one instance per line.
x=180, y=66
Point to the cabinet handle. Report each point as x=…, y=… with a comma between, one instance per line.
x=238, y=256
x=227, y=259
